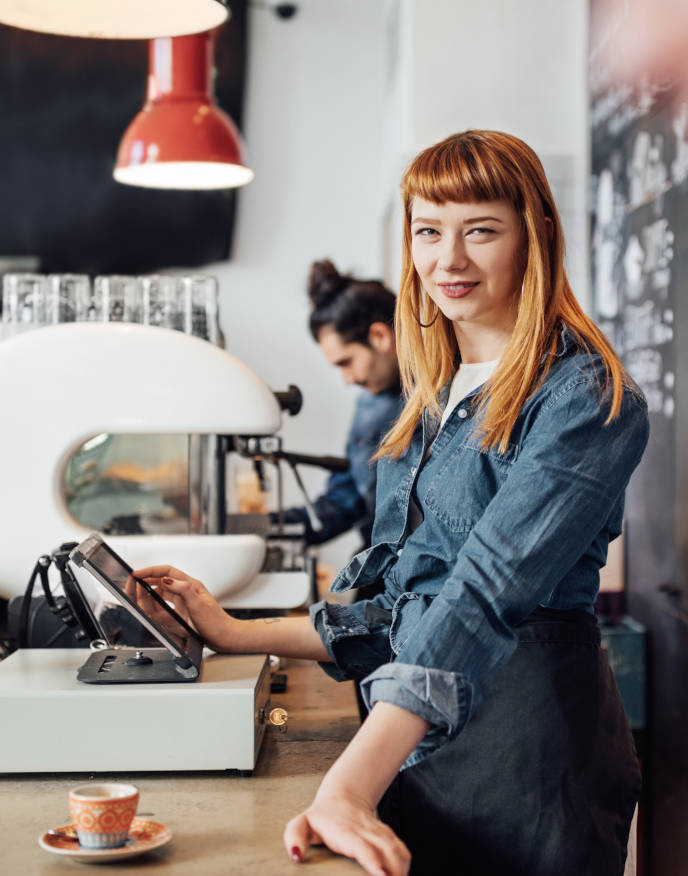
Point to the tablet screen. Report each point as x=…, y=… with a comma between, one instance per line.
x=130, y=612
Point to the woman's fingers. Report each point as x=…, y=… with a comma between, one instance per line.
x=175, y=599
x=138, y=595
x=171, y=582
x=162, y=571
x=379, y=851
x=130, y=588
x=298, y=836
x=176, y=585
x=192, y=592
x=385, y=851
x=362, y=837
x=195, y=603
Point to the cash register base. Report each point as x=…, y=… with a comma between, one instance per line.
x=53, y=723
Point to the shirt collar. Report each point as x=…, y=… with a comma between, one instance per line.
x=566, y=342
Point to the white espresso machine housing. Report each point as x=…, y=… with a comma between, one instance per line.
x=63, y=384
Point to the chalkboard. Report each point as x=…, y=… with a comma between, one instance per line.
x=639, y=214
x=64, y=105
x=639, y=237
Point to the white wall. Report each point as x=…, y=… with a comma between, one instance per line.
x=314, y=104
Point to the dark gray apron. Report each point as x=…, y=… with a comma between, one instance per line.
x=544, y=778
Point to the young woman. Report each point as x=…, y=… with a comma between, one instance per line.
x=496, y=742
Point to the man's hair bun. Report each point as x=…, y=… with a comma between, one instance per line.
x=346, y=304
x=325, y=283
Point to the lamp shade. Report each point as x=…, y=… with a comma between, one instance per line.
x=181, y=139
x=115, y=19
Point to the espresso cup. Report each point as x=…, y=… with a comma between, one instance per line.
x=102, y=813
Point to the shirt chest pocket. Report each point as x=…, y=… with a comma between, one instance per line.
x=461, y=485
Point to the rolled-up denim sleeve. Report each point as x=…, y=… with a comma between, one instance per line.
x=442, y=698
x=571, y=471
x=356, y=647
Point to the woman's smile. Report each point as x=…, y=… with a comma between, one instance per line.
x=457, y=290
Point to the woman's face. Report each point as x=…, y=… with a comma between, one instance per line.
x=470, y=258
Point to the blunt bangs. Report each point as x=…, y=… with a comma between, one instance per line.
x=463, y=169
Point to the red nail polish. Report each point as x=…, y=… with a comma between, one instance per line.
x=295, y=853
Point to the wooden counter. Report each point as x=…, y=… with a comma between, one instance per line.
x=222, y=823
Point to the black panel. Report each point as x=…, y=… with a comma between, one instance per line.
x=64, y=105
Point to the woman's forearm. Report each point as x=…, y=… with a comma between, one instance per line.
x=284, y=636
x=372, y=759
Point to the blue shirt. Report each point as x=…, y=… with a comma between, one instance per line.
x=502, y=534
x=349, y=498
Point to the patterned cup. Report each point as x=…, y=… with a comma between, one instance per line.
x=102, y=813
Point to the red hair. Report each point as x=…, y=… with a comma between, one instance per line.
x=471, y=167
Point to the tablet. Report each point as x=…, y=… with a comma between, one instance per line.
x=151, y=620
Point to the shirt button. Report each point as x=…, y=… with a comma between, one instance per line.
x=399, y=552
x=463, y=413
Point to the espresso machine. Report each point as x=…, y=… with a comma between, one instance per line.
x=73, y=392
x=65, y=390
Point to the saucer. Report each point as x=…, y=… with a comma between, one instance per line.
x=146, y=836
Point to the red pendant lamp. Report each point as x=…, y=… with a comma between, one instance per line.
x=115, y=19
x=181, y=139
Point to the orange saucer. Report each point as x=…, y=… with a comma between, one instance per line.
x=145, y=836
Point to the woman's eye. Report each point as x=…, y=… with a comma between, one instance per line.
x=425, y=232
x=481, y=232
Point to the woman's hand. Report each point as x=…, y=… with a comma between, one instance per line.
x=192, y=600
x=342, y=816
x=348, y=825
x=136, y=590
x=286, y=636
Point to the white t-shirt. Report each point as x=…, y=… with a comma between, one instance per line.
x=469, y=376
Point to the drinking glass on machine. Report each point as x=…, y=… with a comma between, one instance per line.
x=199, y=295
x=23, y=302
x=63, y=294
x=118, y=298
x=89, y=304
x=160, y=302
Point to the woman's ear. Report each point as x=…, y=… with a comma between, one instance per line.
x=381, y=337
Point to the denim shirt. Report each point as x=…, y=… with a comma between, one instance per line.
x=349, y=498
x=502, y=534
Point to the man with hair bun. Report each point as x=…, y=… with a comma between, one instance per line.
x=353, y=322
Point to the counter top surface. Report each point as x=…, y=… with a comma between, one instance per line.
x=221, y=822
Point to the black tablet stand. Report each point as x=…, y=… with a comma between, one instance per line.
x=136, y=666
x=107, y=663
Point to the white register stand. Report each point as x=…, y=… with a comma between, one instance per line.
x=53, y=723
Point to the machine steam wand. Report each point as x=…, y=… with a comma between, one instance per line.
x=269, y=447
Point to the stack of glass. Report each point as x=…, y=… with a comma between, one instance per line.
x=188, y=303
